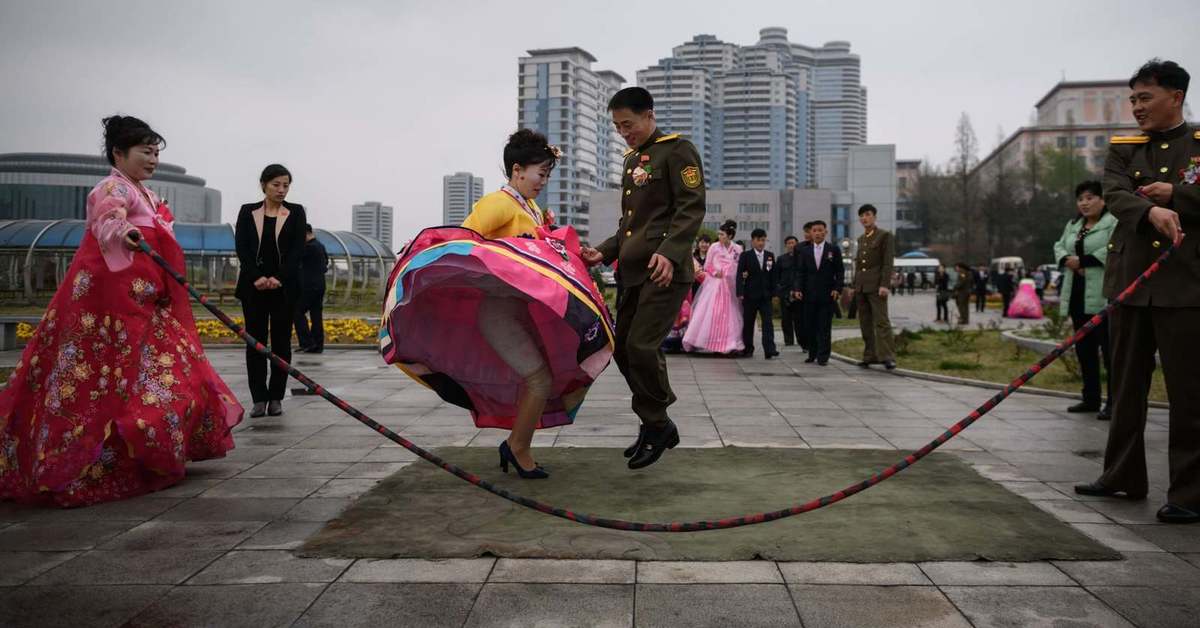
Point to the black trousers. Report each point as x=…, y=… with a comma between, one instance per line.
x=980, y=301
x=794, y=330
x=1006, y=298
x=312, y=303
x=943, y=311
x=1136, y=333
x=269, y=316
x=752, y=308
x=1089, y=351
x=818, y=316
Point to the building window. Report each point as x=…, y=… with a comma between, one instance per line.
x=1098, y=141
x=712, y=208
x=1080, y=141
x=1062, y=141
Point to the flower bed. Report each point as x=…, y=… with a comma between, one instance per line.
x=211, y=331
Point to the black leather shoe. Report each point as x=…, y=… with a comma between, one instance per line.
x=890, y=365
x=1084, y=406
x=822, y=362
x=1096, y=489
x=654, y=444
x=810, y=359
x=275, y=408
x=1177, y=514
x=866, y=363
x=771, y=354
x=259, y=409
x=1105, y=414
x=637, y=444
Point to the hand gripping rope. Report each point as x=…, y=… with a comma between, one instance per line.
x=674, y=526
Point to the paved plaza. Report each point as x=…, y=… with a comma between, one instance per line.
x=216, y=550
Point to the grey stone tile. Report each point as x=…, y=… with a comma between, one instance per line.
x=282, y=535
x=564, y=571
x=345, y=605
x=345, y=488
x=1127, y=512
x=125, y=567
x=372, y=470
x=318, y=509
x=1193, y=558
x=1048, y=607
x=61, y=536
x=1160, y=607
x=136, y=509
x=1173, y=538
x=229, y=509
x=348, y=456
x=1071, y=511
x=1033, y=491
x=269, y=567
x=985, y=573
x=216, y=469
x=230, y=606
x=1117, y=537
x=869, y=606
x=1138, y=569
x=716, y=605
x=853, y=573
x=731, y=572
x=272, y=469
x=18, y=567
x=187, y=487
x=593, y=605
x=72, y=607
x=389, y=454
x=420, y=570
x=181, y=535
x=290, y=487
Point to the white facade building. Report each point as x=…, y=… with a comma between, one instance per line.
x=460, y=191
x=373, y=220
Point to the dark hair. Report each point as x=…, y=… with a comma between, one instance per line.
x=635, y=99
x=757, y=233
x=791, y=237
x=808, y=225
x=272, y=171
x=526, y=147
x=730, y=228
x=962, y=265
x=307, y=228
x=868, y=208
x=1166, y=74
x=124, y=132
x=1089, y=186
x=704, y=237
x=818, y=222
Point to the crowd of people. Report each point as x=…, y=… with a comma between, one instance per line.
x=113, y=395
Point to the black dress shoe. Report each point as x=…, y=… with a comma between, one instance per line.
x=771, y=354
x=810, y=359
x=866, y=363
x=1084, y=406
x=275, y=408
x=259, y=409
x=637, y=444
x=1177, y=514
x=822, y=362
x=1105, y=414
x=654, y=444
x=1096, y=489
x=890, y=365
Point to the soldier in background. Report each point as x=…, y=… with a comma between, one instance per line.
x=873, y=270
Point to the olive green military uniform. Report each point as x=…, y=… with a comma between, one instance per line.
x=1163, y=315
x=662, y=208
x=873, y=266
x=962, y=296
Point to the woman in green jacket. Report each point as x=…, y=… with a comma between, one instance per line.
x=1081, y=253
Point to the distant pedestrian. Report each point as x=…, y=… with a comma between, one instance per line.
x=962, y=292
x=941, y=282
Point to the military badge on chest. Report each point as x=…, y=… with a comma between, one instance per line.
x=641, y=174
x=1191, y=174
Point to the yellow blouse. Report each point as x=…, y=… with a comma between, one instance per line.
x=498, y=215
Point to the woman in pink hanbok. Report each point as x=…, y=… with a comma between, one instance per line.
x=716, y=324
x=113, y=394
x=1026, y=304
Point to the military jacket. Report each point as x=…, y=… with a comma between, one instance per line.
x=874, y=260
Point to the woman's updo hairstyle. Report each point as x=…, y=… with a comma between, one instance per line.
x=124, y=132
x=272, y=171
x=526, y=147
x=730, y=228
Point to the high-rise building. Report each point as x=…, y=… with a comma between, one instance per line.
x=761, y=115
x=562, y=97
x=374, y=220
x=459, y=193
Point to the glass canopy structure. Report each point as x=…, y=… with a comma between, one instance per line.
x=35, y=254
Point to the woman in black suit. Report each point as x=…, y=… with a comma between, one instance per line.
x=270, y=239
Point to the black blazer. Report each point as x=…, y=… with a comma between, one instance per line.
x=817, y=283
x=789, y=266
x=289, y=239
x=314, y=263
x=753, y=281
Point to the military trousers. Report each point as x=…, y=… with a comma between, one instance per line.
x=645, y=314
x=875, y=325
x=1136, y=333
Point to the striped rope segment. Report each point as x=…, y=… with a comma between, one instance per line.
x=674, y=526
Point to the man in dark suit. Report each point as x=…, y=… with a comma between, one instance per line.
x=981, y=289
x=1006, y=285
x=1152, y=186
x=314, y=262
x=818, y=286
x=790, y=309
x=756, y=282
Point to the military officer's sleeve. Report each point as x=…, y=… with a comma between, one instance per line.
x=608, y=249
x=888, y=251
x=1119, y=195
x=1185, y=199
x=686, y=177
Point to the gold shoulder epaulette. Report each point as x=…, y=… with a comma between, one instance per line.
x=627, y=152
x=1196, y=135
x=1129, y=139
x=667, y=138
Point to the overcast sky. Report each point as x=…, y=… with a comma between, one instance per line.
x=378, y=100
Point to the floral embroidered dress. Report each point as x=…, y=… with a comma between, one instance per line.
x=113, y=394
x=716, y=324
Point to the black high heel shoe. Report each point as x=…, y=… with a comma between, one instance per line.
x=507, y=456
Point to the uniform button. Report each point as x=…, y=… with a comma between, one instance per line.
x=628, y=233
x=1164, y=146
x=628, y=213
x=1163, y=170
x=1110, y=246
x=1137, y=173
x=1157, y=244
x=664, y=234
x=629, y=171
x=628, y=192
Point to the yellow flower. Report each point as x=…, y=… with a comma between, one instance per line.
x=167, y=379
x=166, y=360
x=149, y=399
x=88, y=320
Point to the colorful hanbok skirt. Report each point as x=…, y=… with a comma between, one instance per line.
x=453, y=293
x=1026, y=303
x=113, y=394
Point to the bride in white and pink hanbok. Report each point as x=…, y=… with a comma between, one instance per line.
x=716, y=323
